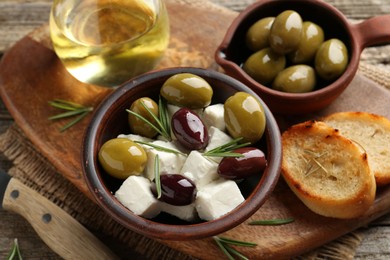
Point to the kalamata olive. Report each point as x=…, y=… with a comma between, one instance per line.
x=122, y=157
x=312, y=38
x=331, y=59
x=264, y=65
x=138, y=126
x=175, y=189
x=187, y=90
x=286, y=32
x=295, y=79
x=244, y=117
x=189, y=129
x=257, y=35
x=235, y=168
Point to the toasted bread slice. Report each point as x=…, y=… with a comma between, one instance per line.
x=372, y=132
x=328, y=172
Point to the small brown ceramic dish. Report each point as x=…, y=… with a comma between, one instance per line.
x=110, y=120
x=232, y=52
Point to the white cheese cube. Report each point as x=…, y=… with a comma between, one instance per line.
x=172, y=109
x=135, y=194
x=217, y=199
x=214, y=116
x=199, y=169
x=217, y=138
x=187, y=212
x=169, y=162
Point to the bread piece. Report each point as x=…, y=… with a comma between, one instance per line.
x=372, y=132
x=327, y=171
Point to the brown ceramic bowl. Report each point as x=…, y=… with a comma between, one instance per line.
x=110, y=120
x=232, y=52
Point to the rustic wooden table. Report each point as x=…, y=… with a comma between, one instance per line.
x=19, y=17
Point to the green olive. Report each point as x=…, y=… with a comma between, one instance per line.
x=139, y=126
x=331, y=59
x=187, y=90
x=295, y=79
x=244, y=117
x=258, y=34
x=122, y=158
x=286, y=32
x=312, y=37
x=264, y=65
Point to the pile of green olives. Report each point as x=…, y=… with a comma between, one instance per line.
x=289, y=54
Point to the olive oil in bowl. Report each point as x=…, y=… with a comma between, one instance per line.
x=107, y=42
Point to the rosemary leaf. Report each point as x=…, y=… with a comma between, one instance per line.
x=223, y=248
x=73, y=122
x=236, y=242
x=161, y=148
x=158, y=121
x=157, y=175
x=225, y=149
x=72, y=109
x=236, y=253
x=68, y=114
x=15, y=254
x=146, y=121
x=64, y=104
x=272, y=222
x=163, y=113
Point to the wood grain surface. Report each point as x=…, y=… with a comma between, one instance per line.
x=374, y=248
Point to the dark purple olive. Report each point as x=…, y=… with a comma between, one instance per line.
x=189, y=129
x=235, y=168
x=175, y=189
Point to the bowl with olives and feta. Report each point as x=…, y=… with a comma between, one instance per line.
x=182, y=153
x=298, y=55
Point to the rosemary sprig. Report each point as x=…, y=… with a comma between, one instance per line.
x=224, y=244
x=225, y=149
x=271, y=222
x=163, y=123
x=157, y=175
x=15, y=254
x=161, y=148
x=72, y=109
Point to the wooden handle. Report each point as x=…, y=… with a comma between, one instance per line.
x=62, y=233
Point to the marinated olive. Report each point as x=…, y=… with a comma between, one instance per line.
x=264, y=65
x=286, y=32
x=244, y=117
x=253, y=162
x=122, y=157
x=312, y=37
x=258, y=34
x=187, y=90
x=175, y=189
x=331, y=59
x=189, y=129
x=295, y=79
x=137, y=125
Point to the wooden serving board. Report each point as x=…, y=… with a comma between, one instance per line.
x=31, y=75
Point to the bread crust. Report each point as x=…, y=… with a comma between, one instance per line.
x=328, y=172
x=372, y=132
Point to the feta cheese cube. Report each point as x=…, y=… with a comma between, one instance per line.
x=217, y=138
x=214, y=116
x=187, y=212
x=217, y=199
x=169, y=162
x=135, y=194
x=199, y=169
